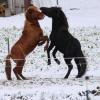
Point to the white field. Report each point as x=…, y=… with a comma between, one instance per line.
x=46, y=82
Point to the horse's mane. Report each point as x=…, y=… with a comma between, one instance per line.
x=63, y=18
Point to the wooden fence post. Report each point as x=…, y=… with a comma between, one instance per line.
x=57, y=2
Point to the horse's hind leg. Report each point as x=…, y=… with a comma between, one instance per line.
x=78, y=67
x=54, y=55
x=70, y=67
x=18, y=69
x=42, y=40
x=24, y=78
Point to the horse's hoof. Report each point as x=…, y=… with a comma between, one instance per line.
x=19, y=79
x=58, y=62
x=49, y=63
x=66, y=77
x=40, y=43
x=25, y=79
x=10, y=79
x=78, y=76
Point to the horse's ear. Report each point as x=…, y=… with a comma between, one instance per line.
x=28, y=13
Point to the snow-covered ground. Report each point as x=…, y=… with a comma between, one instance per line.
x=46, y=82
x=49, y=89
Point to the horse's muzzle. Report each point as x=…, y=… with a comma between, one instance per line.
x=41, y=16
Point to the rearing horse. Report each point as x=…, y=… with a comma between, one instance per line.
x=32, y=36
x=63, y=41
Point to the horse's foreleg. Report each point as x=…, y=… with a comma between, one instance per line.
x=42, y=40
x=48, y=52
x=54, y=55
x=41, y=43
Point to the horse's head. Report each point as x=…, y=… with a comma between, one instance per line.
x=33, y=13
x=56, y=13
x=2, y=9
x=51, y=12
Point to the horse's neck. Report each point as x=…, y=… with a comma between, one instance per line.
x=35, y=23
x=54, y=25
x=30, y=27
x=32, y=24
x=58, y=25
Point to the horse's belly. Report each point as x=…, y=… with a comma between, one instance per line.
x=30, y=49
x=61, y=45
x=17, y=53
x=29, y=44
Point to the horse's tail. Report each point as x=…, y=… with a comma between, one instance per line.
x=81, y=64
x=8, y=67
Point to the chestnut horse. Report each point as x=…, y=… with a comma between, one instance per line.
x=32, y=36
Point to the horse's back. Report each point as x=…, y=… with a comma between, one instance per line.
x=65, y=42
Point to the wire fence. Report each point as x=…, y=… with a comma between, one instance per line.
x=46, y=64
x=52, y=58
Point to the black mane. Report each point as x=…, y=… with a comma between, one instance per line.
x=63, y=18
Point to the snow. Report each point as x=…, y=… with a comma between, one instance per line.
x=84, y=13
x=47, y=89
x=17, y=20
x=46, y=82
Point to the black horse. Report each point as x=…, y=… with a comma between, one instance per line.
x=63, y=41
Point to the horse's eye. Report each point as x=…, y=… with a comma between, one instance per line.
x=29, y=11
